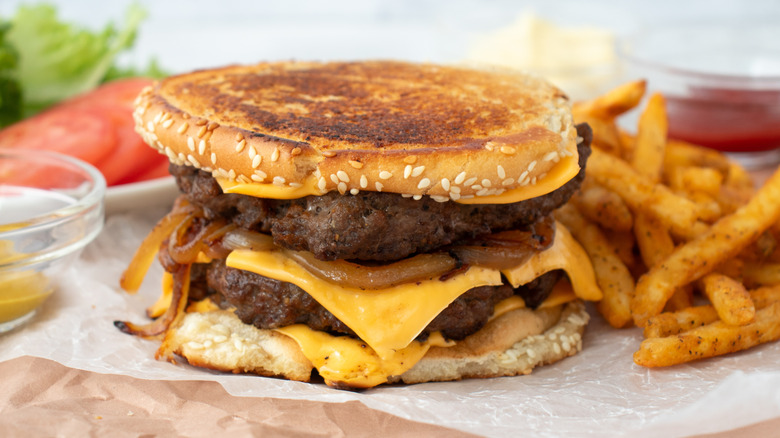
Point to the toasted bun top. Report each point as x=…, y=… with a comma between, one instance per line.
x=415, y=129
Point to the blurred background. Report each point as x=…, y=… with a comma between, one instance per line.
x=571, y=42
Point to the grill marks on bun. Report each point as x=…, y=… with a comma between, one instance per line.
x=416, y=130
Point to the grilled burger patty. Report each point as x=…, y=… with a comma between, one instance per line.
x=370, y=225
x=267, y=303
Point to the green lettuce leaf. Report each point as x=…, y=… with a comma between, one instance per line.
x=58, y=60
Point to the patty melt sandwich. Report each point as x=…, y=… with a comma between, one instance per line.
x=370, y=222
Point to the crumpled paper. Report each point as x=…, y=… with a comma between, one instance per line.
x=599, y=392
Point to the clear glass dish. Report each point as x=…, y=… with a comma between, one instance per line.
x=51, y=206
x=721, y=82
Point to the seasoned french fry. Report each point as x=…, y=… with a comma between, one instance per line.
x=729, y=298
x=681, y=299
x=707, y=208
x=764, y=296
x=673, y=323
x=639, y=194
x=761, y=273
x=679, y=153
x=695, y=179
x=623, y=242
x=710, y=340
x=654, y=241
x=648, y=155
x=612, y=275
x=614, y=102
x=605, y=133
x=691, y=261
x=603, y=207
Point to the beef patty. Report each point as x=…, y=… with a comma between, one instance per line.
x=267, y=303
x=370, y=225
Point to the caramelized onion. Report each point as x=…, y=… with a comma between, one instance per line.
x=187, y=252
x=419, y=267
x=179, y=296
x=244, y=239
x=507, y=249
x=144, y=256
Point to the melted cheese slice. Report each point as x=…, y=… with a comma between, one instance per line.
x=559, y=175
x=386, y=319
x=389, y=319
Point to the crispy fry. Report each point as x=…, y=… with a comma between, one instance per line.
x=615, y=102
x=764, y=296
x=707, y=208
x=761, y=273
x=693, y=260
x=642, y=195
x=681, y=299
x=695, y=179
x=611, y=274
x=603, y=207
x=673, y=323
x=679, y=153
x=710, y=340
x=729, y=298
x=654, y=241
x=623, y=242
x=605, y=133
x=648, y=155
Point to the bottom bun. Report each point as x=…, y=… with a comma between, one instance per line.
x=511, y=344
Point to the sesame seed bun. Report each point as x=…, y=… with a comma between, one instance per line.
x=511, y=344
x=413, y=129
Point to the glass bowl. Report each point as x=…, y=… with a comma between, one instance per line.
x=51, y=206
x=721, y=82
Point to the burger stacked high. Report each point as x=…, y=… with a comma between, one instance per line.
x=375, y=221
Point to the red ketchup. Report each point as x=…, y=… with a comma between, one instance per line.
x=729, y=120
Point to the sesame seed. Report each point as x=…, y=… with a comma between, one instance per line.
x=354, y=191
x=167, y=124
x=417, y=171
x=157, y=118
x=407, y=171
x=208, y=343
x=476, y=187
x=445, y=184
x=193, y=160
x=296, y=185
x=275, y=154
x=440, y=198
x=560, y=330
x=232, y=174
x=500, y=171
x=191, y=143
x=244, y=179
x=342, y=187
x=334, y=178
x=417, y=197
x=455, y=189
x=425, y=182
x=321, y=184
x=213, y=158
x=533, y=181
x=363, y=182
x=239, y=137
x=184, y=116
x=530, y=353
x=482, y=192
x=220, y=338
x=201, y=122
x=295, y=152
x=486, y=183
x=523, y=176
x=489, y=146
x=385, y=174
x=470, y=181
x=550, y=156
x=508, y=150
x=531, y=166
x=461, y=176
x=256, y=161
x=356, y=164
x=552, y=336
x=379, y=186
x=557, y=348
x=410, y=159
x=507, y=182
x=261, y=174
x=278, y=180
x=195, y=345
x=566, y=346
x=202, y=148
x=252, y=152
x=406, y=195
x=328, y=154
x=202, y=131
x=257, y=178
x=150, y=127
x=181, y=157
x=212, y=126
x=342, y=176
x=240, y=146
x=454, y=196
x=183, y=128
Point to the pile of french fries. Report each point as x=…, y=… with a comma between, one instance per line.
x=682, y=243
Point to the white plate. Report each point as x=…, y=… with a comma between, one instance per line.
x=145, y=194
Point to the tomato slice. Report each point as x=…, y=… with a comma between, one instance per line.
x=118, y=92
x=79, y=132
